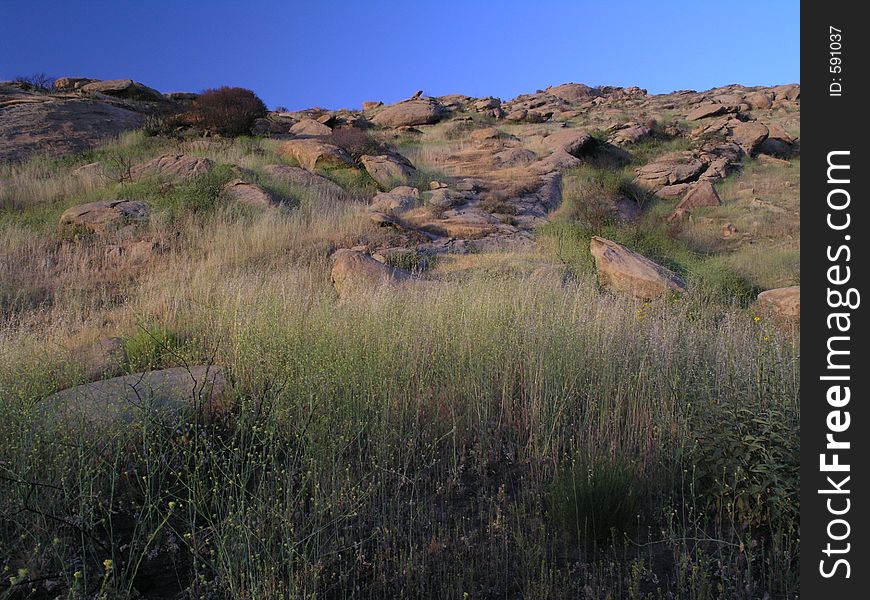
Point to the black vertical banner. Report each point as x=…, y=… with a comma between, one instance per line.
x=835, y=420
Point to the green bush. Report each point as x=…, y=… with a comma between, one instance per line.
x=150, y=348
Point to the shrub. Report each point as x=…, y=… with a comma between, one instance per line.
x=39, y=82
x=150, y=348
x=230, y=111
x=354, y=141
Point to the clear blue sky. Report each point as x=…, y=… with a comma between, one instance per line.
x=337, y=54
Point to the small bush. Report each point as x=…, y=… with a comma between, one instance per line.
x=354, y=141
x=150, y=348
x=39, y=82
x=229, y=111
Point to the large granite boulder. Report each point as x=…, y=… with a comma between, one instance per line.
x=627, y=272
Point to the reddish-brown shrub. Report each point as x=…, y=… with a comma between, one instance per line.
x=354, y=141
x=229, y=111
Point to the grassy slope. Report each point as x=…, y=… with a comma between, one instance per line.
x=511, y=433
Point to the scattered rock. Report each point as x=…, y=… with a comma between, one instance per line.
x=700, y=195
x=703, y=111
x=574, y=92
x=312, y=154
x=749, y=135
x=309, y=128
x=396, y=201
x=249, y=193
x=782, y=302
x=388, y=170
x=418, y=111
x=105, y=215
x=630, y=133
x=627, y=272
x=354, y=271
x=571, y=141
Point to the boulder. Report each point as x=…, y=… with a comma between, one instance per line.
x=396, y=201
x=627, y=272
x=122, y=88
x=371, y=105
x=388, y=170
x=297, y=176
x=572, y=141
x=418, y=111
x=759, y=100
x=700, y=195
x=104, y=215
x=310, y=128
x=781, y=302
x=173, y=167
x=574, y=92
x=630, y=133
x=312, y=154
x=354, y=271
x=163, y=393
x=249, y=193
x=749, y=135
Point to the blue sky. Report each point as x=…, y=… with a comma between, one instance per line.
x=338, y=54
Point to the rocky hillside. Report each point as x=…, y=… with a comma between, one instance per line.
x=540, y=347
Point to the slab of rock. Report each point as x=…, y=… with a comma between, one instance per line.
x=354, y=272
x=782, y=302
x=310, y=128
x=105, y=215
x=122, y=88
x=57, y=126
x=669, y=170
x=163, y=393
x=388, y=170
x=708, y=109
x=249, y=193
x=312, y=154
x=173, y=167
x=298, y=176
x=627, y=272
x=418, y=111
